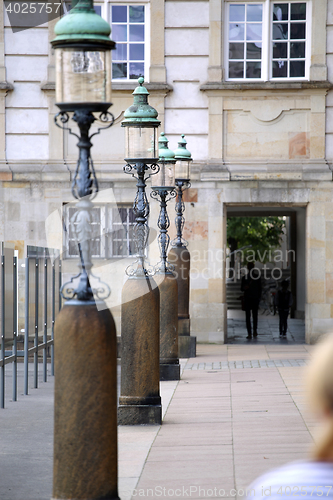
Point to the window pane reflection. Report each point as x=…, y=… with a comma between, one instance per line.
x=280, y=50
x=298, y=11
x=236, y=50
x=297, y=30
x=297, y=69
x=237, y=13
x=119, y=13
x=280, y=12
x=253, y=31
x=136, y=33
x=120, y=53
x=253, y=70
x=280, y=69
x=236, y=70
x=119, y=70
x=280, y=31
x=297, y=49
x=254, y=13
x=136, y=70
x=137, y=14
x=253, y=50
x=136, y=51
x=119, y=32
x=236, y=32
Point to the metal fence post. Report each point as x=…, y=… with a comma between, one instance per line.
x=60, y=280
x=45, y=323
x=15, y=327
x=36, y=323
x=2, y=373
x=53, y=316
x=26, y=328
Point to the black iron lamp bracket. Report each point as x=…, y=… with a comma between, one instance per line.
x=84, y=189
x=138, y=169
x=181, y=185
x=83, y=291
x=82, y=184
x=163, y=195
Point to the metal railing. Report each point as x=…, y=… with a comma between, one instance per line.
x=42, y=301
x=12, y=358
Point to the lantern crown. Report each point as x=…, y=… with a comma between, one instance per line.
x=83, y=26
x=164, y=153
x=181, y=153
x=140, y=113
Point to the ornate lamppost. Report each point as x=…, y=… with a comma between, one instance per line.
x=85, y=415
x=179, y=255
x=140, y=401
x=163, y=190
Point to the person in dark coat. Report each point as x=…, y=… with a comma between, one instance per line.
x=283, y=301
x=251, y=286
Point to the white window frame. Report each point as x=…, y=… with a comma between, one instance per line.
x=106, y=226
x=267, y=41
x=111, y=225
x=106, y=15
x=108, y=5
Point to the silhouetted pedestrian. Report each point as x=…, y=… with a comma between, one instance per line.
x=251, y=286
x=283, y=301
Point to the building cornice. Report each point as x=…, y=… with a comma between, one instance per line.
x=121, y=87
x=241, y=86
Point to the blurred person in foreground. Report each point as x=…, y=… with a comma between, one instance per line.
x=312, y=477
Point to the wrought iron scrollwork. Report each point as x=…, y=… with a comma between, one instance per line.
x=163, y=196
x=84, y=189
x=181, y=185
x=139, y=171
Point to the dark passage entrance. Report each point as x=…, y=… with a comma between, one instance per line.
x=274, y=265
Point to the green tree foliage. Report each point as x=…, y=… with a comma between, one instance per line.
x=264, y=234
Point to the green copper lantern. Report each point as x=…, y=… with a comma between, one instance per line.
x=183, y=158
x=140, y=122
x=83, y=62
x=166, y=175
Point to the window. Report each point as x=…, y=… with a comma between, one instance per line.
x=129, y=28
x=128, y=31
x=112, y=232
x=267, y=40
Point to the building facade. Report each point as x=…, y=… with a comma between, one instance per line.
x=249, y=83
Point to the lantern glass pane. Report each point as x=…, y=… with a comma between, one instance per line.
x=182, y=169
x=165, y=177
x=83, y=76
x=140, y=142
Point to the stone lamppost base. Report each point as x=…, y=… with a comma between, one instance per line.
x=169, y=371
x=187, y=346
x=85, y=403
x=140, y=401
x=169, y=361
x=180, y=258
x=140, y=414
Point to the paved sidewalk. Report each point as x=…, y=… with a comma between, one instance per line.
x=268, y=329
x=237, y=412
